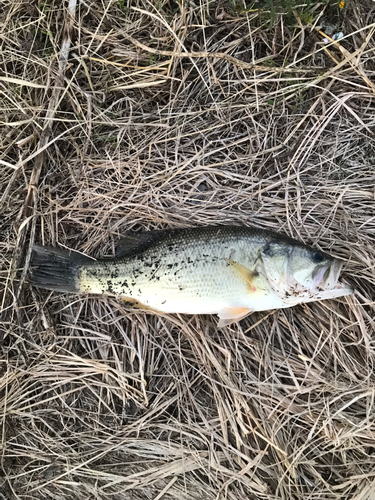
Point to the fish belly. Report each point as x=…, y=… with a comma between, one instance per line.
x=199, y=288
x=206, y=291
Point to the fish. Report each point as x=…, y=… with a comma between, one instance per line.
x=230, y=271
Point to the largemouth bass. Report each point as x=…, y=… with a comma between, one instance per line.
x=225, y=270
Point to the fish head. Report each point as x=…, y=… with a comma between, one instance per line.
x=302, y=272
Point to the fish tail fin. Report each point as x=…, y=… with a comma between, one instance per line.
x=56, y=269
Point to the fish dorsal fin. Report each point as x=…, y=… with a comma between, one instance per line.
x=246, y=273
x=133, y=242
x=229, y=315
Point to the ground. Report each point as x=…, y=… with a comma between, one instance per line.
x=134, y=115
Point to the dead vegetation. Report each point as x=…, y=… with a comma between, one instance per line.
x=140, y=114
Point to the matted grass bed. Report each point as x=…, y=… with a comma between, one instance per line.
x=135, y=115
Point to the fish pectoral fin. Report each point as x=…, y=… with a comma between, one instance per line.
x=246, y=273
x=229, y=315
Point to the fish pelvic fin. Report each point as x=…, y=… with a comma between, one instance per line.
x=230, y=315
x=56, y=269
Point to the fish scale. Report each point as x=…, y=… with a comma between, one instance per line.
x=186, y=272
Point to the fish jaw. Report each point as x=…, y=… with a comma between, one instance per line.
x=334, y=274
x=329, y=287
x=340, y=290
x=319, y=277
x=325, y=286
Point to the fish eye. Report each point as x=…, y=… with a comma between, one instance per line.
x=317, y=256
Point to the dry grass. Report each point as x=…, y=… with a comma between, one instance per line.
x=169, y=116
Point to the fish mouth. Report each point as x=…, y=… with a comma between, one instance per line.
x=325, y=286
x=327, y=278
x=321, y=277
x=332, y=278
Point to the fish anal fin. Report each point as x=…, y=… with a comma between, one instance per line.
x=131, y=303
x=246, y=273
x=229, y=315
